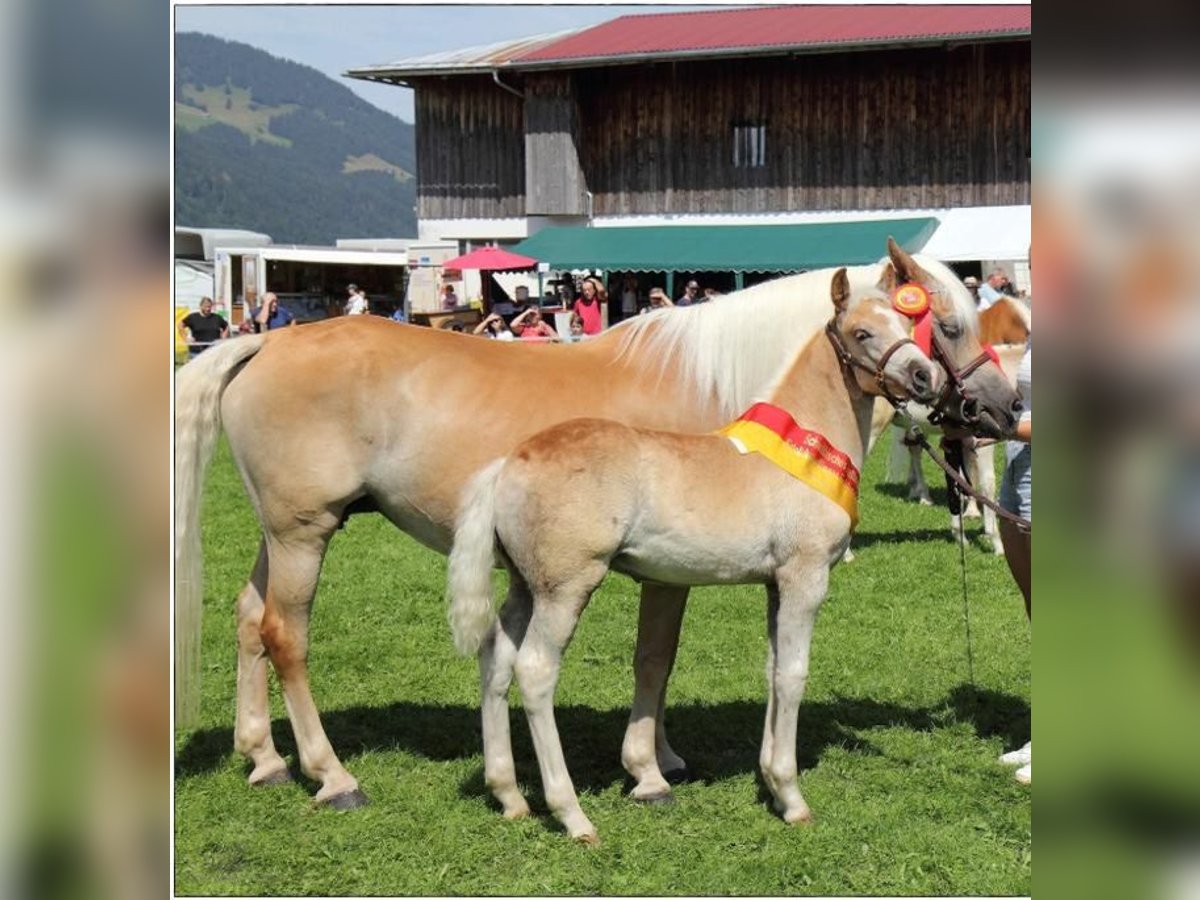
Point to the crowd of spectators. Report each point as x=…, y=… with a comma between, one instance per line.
x=588, y=302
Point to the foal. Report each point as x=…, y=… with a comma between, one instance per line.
x=763, y=501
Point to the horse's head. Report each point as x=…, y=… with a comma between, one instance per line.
x=978, y=396
x=872, y=341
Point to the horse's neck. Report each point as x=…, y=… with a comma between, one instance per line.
x=821, y=396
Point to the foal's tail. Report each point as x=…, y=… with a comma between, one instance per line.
x=471, y=561
x=198, y=389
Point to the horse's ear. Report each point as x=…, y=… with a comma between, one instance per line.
x=887, y=278
x=906, y=267
x=840, y=290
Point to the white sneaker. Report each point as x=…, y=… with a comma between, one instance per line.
x=1025, y=774
x=1019, y=757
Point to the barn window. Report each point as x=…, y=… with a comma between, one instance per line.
x=749, y=146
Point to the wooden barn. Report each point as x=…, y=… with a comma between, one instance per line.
x=794, y=117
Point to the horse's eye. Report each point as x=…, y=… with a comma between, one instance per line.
x=861, y=334
x=949, y=329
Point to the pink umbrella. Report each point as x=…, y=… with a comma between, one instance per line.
x=491, y=259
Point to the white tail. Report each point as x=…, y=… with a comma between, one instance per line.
x=198, y=389
x=471, y=561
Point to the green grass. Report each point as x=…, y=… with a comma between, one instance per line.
x=212, y=104
x=897, y=749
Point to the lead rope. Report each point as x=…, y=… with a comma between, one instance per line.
x=962, y=560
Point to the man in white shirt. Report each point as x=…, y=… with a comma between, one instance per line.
x=989, y=291
x=357, y=304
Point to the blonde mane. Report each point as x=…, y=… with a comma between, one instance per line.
x=734, y=348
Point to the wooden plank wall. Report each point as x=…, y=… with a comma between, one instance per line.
x=553, y=174
x=896, y=129
x=470, y=149
x=879, y=130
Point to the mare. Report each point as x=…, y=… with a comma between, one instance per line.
x=363, y=414
x=1006, y=325
x=590, y=495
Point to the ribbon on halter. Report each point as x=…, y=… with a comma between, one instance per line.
x=922, y=335
x=805, y=455
x=912, y=300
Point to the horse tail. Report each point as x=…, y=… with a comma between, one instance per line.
x=471, y=561
x=198, y=389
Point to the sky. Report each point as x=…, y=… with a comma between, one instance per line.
x=335, y=38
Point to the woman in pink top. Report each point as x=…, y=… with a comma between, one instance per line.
x=588, y=306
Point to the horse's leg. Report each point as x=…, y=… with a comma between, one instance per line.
x=917, y=488
x=897, y=458
x=252, y=733
x=801, y=590
x=768, y=742
x=985, y=462
x=554, y=618
x=497, y=656
x=294, y=562
x=645, y=753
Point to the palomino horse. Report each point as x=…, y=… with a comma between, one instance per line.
x=590, y=495
x=359, y=413
x=1006, y=324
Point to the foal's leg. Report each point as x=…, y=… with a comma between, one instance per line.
x=497, y=656
x=252, y=733
x=645, y=753
x=295, y=563
x=801, y=590
x=555, y=616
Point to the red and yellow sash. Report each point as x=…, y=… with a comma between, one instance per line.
x=803, y=454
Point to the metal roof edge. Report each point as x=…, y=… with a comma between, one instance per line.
x=581, y=62
x=402, y=74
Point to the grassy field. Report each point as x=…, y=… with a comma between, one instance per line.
x=897, y=748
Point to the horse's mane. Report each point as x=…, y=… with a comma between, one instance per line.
x=737, y=346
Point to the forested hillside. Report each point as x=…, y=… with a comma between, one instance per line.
x=274, y=146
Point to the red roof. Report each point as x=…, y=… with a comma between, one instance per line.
x=791, y=27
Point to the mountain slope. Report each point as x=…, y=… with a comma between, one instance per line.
x=270, y=145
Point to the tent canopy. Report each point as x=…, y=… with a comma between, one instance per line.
x=725, y=248
x=983, y=232
x=490, y=259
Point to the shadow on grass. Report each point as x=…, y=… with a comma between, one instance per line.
x=899, y=491
x=863, y=539
x=718, y=740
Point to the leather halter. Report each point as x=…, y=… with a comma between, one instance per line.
x=955, y=377
x=849, y=362
x=955, y=382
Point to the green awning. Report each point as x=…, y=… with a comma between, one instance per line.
x=725, y=248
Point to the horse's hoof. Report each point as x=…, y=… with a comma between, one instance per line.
x=804, y=817
x=349, y=800
x=283, y=776
x=677, y=776
x=588, y=839
x=665, y=798
x=512, y=813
